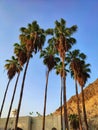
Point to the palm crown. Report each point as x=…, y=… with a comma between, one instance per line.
x=32, y=37
x=49, y=57
x=12, y=66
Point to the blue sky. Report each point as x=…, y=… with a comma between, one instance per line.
x=18, y=13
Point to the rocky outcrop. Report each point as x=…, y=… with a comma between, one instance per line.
x=91, y=101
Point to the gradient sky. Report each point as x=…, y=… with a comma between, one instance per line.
x=18, y=13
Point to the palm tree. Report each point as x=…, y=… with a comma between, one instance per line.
x=82, y=79
x=59, y=70
x=12, y=69
x=74, y=72
x=50, y=61
x=21, y=53
x=19, y=68
x=32, y=39
x=81, y=73
x=73, y=57
x=63, y=42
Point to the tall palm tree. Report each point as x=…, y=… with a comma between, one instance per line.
x=21, y=54
x=59, y=71
x=81, y=73
x=74, y=57
x=50, y=61
x=11, y=71
x=82, y=79
x=63, y=40
x=74, y=72
x=32, y=39
x=19, y=68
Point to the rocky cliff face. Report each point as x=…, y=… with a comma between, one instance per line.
x=91, y=101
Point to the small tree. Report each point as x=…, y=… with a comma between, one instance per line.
x=31, y=113
x=74, y=121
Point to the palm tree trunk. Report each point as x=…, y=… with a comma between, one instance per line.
x=80, y=122
x=21, y=93
x=61, y=106
x=4, y=97
x=6, y=124
x=45, y=99
x=65, y=105
x=84, y=109
x=64, y=98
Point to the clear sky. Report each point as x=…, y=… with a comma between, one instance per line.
x=17, y=13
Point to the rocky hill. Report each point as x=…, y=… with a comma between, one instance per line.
x=91, y=101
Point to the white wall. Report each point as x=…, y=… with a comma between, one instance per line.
x=33, y=123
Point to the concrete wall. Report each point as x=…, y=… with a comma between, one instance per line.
x=51, y=121
x=24, y=123
x=33, y=123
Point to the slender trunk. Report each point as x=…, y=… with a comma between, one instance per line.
x=84, y=109
x=21, y=93
x=61, y=106
x=6, y=124
x=4, y=97
x=64, y=98
x=78, y=108
x=65, y=106
x=45, y=99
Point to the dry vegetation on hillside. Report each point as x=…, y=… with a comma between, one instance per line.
x=91, y=101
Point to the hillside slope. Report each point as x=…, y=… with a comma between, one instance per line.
x=91, y=101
